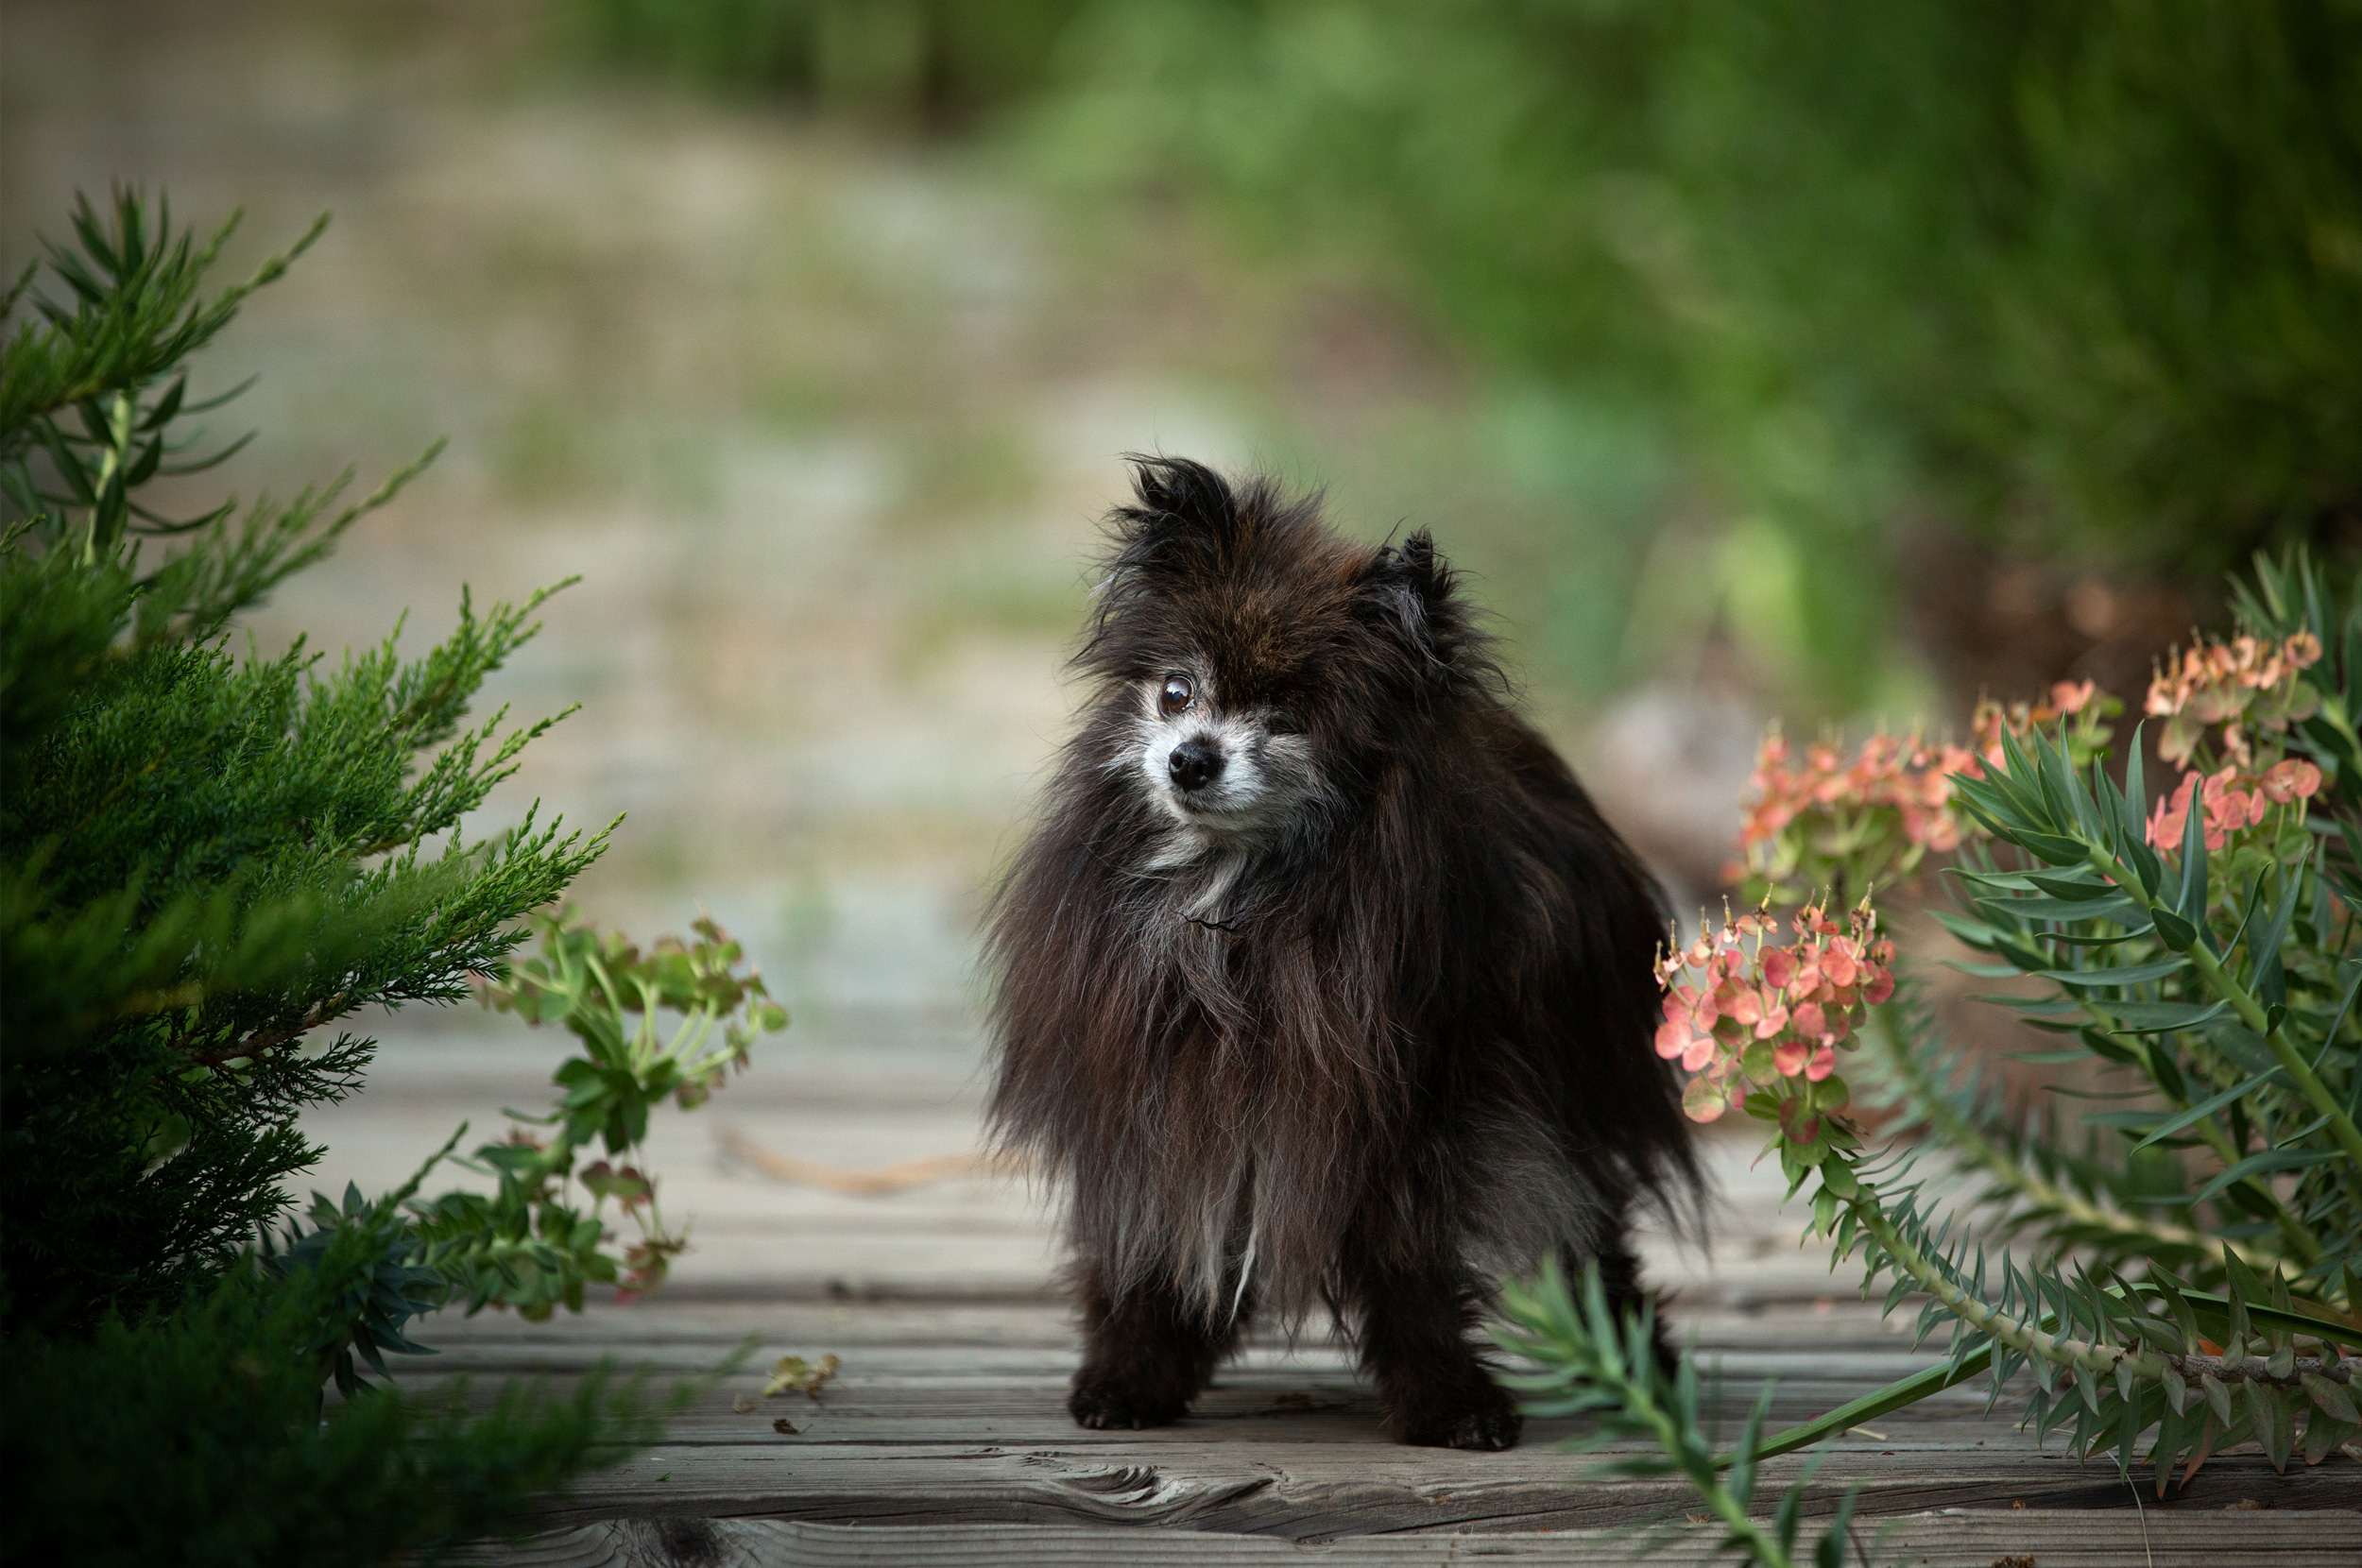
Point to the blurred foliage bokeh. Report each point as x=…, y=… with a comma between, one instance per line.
x=2078, y=286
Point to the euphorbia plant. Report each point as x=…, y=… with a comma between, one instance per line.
x=1822, y=822
x=1758, y=1024
x=2190, y=1273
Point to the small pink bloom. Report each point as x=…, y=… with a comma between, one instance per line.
x=1772, y=1023
x=1672, y=1039
x=2291, y=779
x=1788, y=1056
x=1779, y=967
x=1878, y=987
x=2168, y=823
x=1838, y=963
x=2071, y=696
x=1824, y=1063
x=1699, y=1053
x=1810, y=1020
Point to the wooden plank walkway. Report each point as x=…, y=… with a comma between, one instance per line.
x=944, y=1437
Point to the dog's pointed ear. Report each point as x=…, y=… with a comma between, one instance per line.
x=1410, y=587
x=1178, y=500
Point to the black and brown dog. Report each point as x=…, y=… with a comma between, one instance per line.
x=1321, y=981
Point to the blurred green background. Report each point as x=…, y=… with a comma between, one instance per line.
x=1779, y=359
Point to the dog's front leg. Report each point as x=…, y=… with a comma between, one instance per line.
x=1415, y=1322
x=1146, y=1352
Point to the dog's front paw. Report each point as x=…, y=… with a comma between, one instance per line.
x=1489, y=1422
x=1104, y=1405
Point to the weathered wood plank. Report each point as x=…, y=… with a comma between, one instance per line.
x=945, y=1437
x=1299, y=1491
x=953, y=1416
x=2047, y=1538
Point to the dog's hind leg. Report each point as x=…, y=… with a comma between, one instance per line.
x=1413, y=1335
x=1619, y=1279
x=1147, y=1350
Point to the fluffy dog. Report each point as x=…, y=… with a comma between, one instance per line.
x=1321, y=981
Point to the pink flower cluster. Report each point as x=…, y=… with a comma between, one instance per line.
x=2067, y=699
x=2241, y=684
x=1741, y=1010
x=2230, y=800
x=1911, y=776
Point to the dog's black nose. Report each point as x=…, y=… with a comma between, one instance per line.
x=1195, y=764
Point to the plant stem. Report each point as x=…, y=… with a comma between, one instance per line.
x=2013, y=1332
x=1639, y=1400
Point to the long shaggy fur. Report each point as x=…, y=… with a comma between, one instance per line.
x=1370, y=1040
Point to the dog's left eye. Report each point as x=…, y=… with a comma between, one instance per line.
x=1175, y=695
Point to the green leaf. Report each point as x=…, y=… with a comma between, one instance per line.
x=2275, y=1079
x=1975, y=933
x=2270, y=984
x=2269, y=1162
x=2103, y=1045
x=2243, y=1046
x=2133, y=974
x=1741, y=1460
x=2038, y=907
x=2190, y=901
x=2331, y=1397
x=2054, y=848
x=2038, y=1006
x=2150, y=1017
x=2082, y=889
x=1870, y=1406
x=2172, y=930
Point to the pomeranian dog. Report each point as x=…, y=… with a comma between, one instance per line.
x=1321, y=981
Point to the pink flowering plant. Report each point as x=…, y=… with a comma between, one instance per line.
x=1820, y=821
x=2184, y=1272
x=1758, y=1023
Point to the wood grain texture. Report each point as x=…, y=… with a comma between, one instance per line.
x=944, y=1439
x=951, y=1417
x=2047, y=1538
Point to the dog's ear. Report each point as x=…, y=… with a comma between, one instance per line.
x=1183, y=494
x=1410, y=588
x=1183, y=510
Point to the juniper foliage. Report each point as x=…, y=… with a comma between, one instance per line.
x=206, y=859
x=207, y=1423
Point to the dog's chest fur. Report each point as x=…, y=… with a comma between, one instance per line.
x=1266, y=1107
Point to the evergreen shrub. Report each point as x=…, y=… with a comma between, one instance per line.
x=209, y=862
